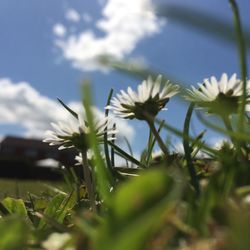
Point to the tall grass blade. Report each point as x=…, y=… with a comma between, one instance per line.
x=68, y=108
x=188, y=150
x=201, y=21
x=103, y=176
x=125, y=155
x=243, y=64
x=106, y=148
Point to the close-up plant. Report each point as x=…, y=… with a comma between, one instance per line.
x=110, y=197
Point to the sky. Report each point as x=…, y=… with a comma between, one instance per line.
x=47, y=49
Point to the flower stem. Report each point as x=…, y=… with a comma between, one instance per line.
x=229, y=127
x=240, y=147
x=158, y=138
x=243, y=64
x=88, y=180
x=227, y=123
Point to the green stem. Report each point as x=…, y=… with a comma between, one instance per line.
x=243, y=63
x=230, y=173
x=158, y=138
x=188, y=150
x=227, y=123
x=150, y=146
x=240, y=146
x=151, y=143
x=88, y=180
x=229, y=128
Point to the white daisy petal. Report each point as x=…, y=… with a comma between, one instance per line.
x=213, y=94
x=134, y=105
x=223, y=83
x=65, y=133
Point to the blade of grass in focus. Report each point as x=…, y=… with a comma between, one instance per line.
x=188, y=150
x=125, y=155
x=106, y=146
x=67, y=108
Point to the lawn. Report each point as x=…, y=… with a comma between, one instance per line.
x=21, y=188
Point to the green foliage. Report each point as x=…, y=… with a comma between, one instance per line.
x=138, y=209
x=14, y=233
x=57, y=209
x=15, y=206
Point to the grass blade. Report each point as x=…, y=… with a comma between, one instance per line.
x=188, y=150
x=106, y=149
x=103, y=176
x=191, y=139
x=242, y=62
x=68, y=108
x=201, y=22
x=125, y=155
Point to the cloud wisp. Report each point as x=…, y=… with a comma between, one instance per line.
x=59, y=30
x=123, y=24
x=72, y=15
x=22, y=105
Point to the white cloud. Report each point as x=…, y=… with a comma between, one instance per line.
x=22, y=105
x=72, y=15
x=124, y=24
x=59, y=30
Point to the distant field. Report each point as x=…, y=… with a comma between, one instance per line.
x=21, y=188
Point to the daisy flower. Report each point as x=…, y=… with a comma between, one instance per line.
x=219, y=96
x=151, y=97
x=74, y=133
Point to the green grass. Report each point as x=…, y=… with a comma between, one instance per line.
x=20, y=188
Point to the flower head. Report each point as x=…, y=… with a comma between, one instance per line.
x=74, y=133
x=219, y=96
x=151, y=97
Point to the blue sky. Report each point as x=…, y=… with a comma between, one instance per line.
x=40, y=45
